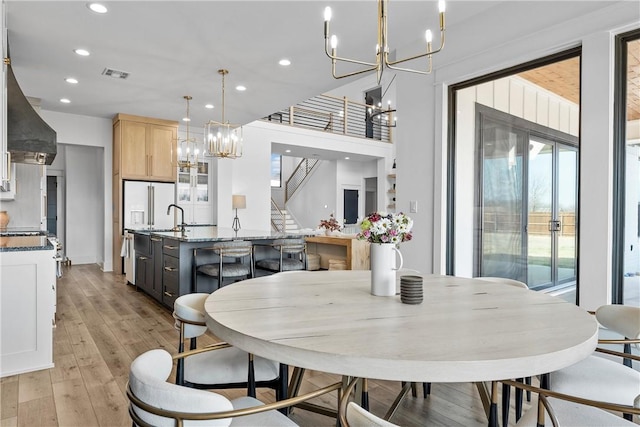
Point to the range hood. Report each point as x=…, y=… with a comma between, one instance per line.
x=29, y=138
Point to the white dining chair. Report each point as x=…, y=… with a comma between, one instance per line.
x=560, y=409
x=228, y=367
x=600, y=378
x=506, y=390
x=156, y=402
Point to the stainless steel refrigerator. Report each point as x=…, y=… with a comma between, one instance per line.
x=146, y=203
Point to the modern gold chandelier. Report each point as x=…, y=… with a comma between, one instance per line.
x=223, y=139
x=382, y=46
x=187, y=148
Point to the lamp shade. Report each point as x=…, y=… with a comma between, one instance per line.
x=238, y=201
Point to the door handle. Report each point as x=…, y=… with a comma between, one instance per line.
x=555, y=225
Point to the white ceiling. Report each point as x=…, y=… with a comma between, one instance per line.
x=174, y=48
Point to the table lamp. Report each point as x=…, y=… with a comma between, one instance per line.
x=238, y=202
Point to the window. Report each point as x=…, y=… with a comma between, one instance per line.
x=276, y=170
x=626, y=208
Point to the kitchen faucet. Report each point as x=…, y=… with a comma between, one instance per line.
x=182, y=223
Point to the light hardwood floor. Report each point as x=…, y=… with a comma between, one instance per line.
x=103, y=324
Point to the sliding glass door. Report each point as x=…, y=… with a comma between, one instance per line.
x=552, y=191
x=527, y=201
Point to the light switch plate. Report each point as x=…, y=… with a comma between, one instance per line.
x=413, y=206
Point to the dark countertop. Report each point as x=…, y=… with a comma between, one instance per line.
x=217, y=234
x=15, y=243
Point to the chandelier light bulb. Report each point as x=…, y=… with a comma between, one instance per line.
x=428, y=36
x=382, y=58
x=327, y=14
x=334, y=41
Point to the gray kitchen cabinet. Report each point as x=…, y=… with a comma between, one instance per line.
x=156, y=282
x=149, y=264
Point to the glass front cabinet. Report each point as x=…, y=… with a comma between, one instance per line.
x=194, y=193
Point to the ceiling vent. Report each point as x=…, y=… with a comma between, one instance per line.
x=115, y=73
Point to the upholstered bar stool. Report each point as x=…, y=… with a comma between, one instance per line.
x=292, y=256
x=235, y=260
x=225, y=368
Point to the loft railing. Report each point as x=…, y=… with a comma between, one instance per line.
x=336, y=115
x=277, y=217
x=298, y=176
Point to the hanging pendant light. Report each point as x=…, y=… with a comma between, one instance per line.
x=383, y=49
x=188, y=150
x=223, y=139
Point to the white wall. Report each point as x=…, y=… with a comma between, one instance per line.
x=75, y=130
x=85, y=211
x=24, y=209
x=250, y=174
x=318, y=198
x=502, y=46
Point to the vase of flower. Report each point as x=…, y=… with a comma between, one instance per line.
x=383, y=268
x=385, y=231
x=330, y=225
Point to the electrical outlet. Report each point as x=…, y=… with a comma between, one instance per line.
x=413, y=206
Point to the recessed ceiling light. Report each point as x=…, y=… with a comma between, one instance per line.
x=287, y=151
x=82, y=52
x=209, y=106
x=241, y=88
x=284, y=62
x=186, y=119
x=65, y=100
x=71, y=80
x=346, y=158
x=97, y=7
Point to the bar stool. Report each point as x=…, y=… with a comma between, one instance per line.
x=293, y=255
x=237, y=251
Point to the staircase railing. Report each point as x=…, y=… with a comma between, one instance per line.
x=298, y=176
x=336, y=115
x=277, y=217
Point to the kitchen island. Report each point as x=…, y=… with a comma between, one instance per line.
x=164, y=261
x=27, y=302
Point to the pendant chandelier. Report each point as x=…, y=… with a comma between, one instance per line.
x=223, y=139
x=382, y=46
x=187, y=148
x=382, y=117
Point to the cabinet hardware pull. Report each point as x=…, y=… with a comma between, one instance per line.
x=170, y=269
x=143, y=258
x=156, y=239
x=168, y=294
x=170, y=247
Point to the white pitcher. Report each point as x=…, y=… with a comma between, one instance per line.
x=383, y=268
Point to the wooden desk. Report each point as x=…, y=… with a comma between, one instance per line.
x=355, y=252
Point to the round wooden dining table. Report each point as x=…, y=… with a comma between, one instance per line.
x=465, y=330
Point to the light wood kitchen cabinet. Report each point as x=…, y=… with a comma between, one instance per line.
x=145, y=148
